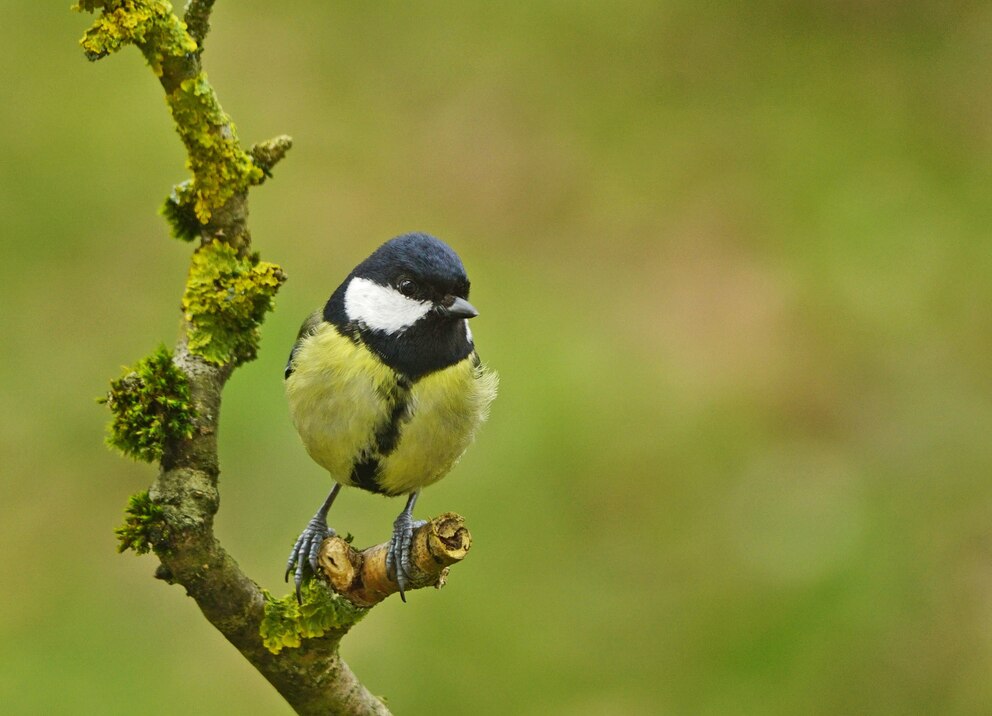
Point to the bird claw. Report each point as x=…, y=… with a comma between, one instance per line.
x=399, y=566
x=305, y=551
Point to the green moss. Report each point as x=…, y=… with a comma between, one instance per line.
x=150, y=405
x=178, y=211
x=225, y=301
x=144, y=526
x=287, y=623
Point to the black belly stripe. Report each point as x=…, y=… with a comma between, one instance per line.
x=365, y=473
x=388, y=433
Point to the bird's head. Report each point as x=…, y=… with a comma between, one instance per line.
x=408, y=301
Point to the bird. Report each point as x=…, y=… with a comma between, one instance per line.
x=385, y=387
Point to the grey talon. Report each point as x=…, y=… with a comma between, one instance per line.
x=399, y=566
x=307, y=545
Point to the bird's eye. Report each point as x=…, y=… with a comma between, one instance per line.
x=407, y=287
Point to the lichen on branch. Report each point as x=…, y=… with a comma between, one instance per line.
x=286, y=623
x=145, y=23
x=225, y=301
x=197, y=18
x=268, y=153
x=221, y=168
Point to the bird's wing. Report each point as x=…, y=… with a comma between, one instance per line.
x=307, y=329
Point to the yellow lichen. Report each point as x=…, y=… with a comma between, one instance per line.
x=225, y=300
x=286, y=623
x=135, y=22
x=221, y=168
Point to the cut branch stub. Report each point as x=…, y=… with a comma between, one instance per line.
x=360, y=576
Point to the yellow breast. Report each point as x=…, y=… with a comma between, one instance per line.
x=343, y=399
x=444, y=411
x=335, y=399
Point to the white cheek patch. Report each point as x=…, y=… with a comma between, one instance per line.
x=468, y=331
x=382, y=308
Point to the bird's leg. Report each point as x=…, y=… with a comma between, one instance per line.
x=308, y=543
x=398, y=564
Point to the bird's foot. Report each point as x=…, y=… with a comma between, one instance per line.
x=399, y=565
x=305, y=551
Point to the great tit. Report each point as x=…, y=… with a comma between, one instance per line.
x=385, y=386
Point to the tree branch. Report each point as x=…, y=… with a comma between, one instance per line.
x=197, y=19
x=268, y=153
x=168, y=410
x=361, y=577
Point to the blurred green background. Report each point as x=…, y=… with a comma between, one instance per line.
x=733, y=266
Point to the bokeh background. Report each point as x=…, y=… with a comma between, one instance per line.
x=733, y=266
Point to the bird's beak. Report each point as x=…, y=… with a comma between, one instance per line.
x=459, y=308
